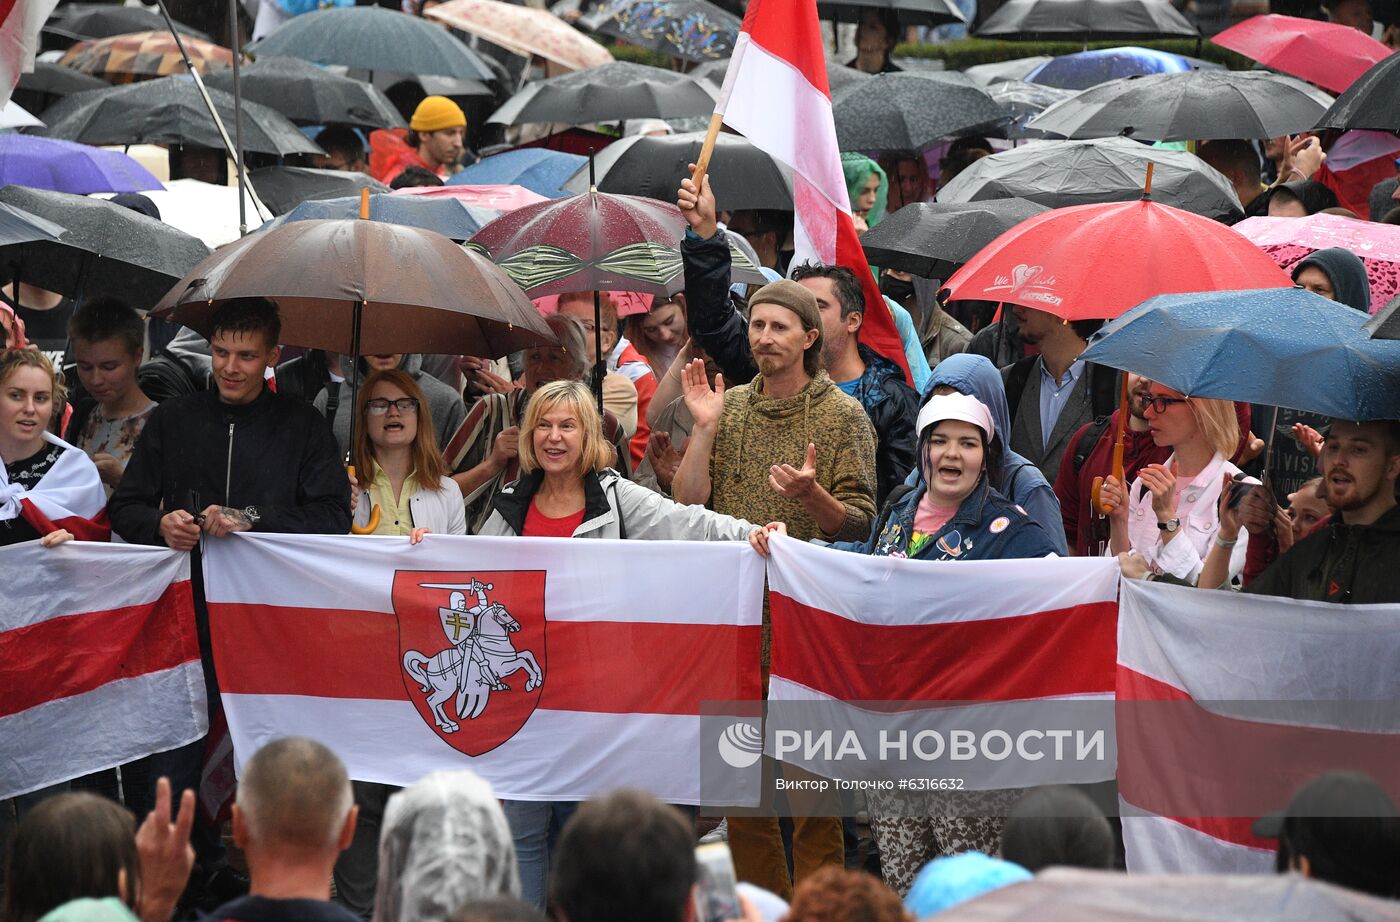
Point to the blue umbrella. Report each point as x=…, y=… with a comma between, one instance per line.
x=542, y=171
x=447, y=216
x=66, y=166
x=1275, y=346
x=1090, y=68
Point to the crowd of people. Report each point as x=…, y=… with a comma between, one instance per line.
x=728, y=412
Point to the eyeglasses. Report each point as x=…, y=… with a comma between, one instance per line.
x=1160, y=404
x=380, y=405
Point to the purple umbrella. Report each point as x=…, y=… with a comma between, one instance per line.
x=65, y=166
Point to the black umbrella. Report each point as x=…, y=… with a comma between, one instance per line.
x=1373, y=101
x=1197, y=104
x=283, y=188
x=1025, y=101
x=170, y=111
x=652, y=166
x=902, y=111
x=1060, y=173
x=19, y=226
x=1083, y=20
x=57, y=80
x=105, y=249
x=911, y=12
x=694, y=30
x=838, y=76
x=1385, y=324
x=309, y=95
x=931, y=239
x=102, y=20
x=608, y=93
x=373, y=38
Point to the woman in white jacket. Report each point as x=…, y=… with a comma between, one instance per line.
x=401, y=483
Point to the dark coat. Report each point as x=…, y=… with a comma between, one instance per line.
x=892, y=406
x=714, y=322
x=1354, y=564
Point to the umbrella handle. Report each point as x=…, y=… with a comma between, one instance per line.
x=702, y=163
x=1117, y=469
x=375, y=513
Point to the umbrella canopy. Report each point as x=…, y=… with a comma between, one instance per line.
x=911, y=12
x=58, y=80
x=105, y=248
x=1060, y=173
x=1370, y=102
x=1084, y=69
x=1385, y=324
x=694, y=30
x=13, y=115
x=930, y=239
x=1025, y=101
x=1330, y=55
x=1203, y=104
x=204, y=210
x=1279, y=347
x=170, y=111
x=282, y=188
x=373, y=38
x=498, y=199
x=1085, y=20
x=911, y=110
x=411, y=290
x=542, y=171
x=1000, y=71
x=310, y=95
x=1090, y=261
x=447, y=216
x=838, y=76
x=651, y=165
x=1289, y=240
x=523, y=30
x=611, y=93
x=142, y=55
x=63, y=166
x=100, y=20
x=19, y=226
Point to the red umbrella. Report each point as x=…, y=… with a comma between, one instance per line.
x=1329, y=55
x=1097, y=261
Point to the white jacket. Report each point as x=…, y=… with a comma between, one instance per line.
x=441, y=511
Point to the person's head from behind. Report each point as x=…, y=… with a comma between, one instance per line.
x=108, y=337
x=344, y=149
x=1341, y=828
x=1176, y=421
x=562, y=433
x=444, y=843
x=1307, y=506
x=908, y=175
x=29, y=395
x=579, y=305
x=1057, y=825
x=413, y=177
x=835, y=894
x=841, y=302
x=566, y=360
x=1238, y=161
x=785, y=329
x=1360, y=463
x=625, y=857
x=1300, y=199
x=294, y=808
x=945, y=882
x=1337, y=274
x=68, y=847
x=957, y=446
x=388, y=409
x=243, y=338
x=501, y=909
x=877, y=32
x=1355, y=14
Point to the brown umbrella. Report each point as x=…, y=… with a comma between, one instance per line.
x=143, y=55
x=365, y=288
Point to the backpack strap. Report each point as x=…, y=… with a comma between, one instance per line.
x=1016, y=380
x=1083, y=447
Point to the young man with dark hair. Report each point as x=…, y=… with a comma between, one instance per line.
x=860, y=372
x=344, y=150
x=625, y=857
x=107, y=337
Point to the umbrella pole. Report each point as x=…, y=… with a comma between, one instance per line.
x=238, y=120
x=600, y=364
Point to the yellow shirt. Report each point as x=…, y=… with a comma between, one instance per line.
x=395, y=517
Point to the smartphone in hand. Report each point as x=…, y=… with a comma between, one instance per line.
x=716, y=894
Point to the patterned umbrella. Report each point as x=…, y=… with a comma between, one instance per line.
x=1289, y=240
x=695, y=30
x=63, y=166
x=523, y=30
x=141, y=55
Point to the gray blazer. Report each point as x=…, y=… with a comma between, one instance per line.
x=1026, y=437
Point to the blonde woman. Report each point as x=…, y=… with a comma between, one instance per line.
x=1165, y=523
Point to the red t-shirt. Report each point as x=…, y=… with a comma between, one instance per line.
x=539, y=525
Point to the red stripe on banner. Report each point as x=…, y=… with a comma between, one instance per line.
x=789, y=29
x=1064, y=652
x=877, y=330
x=601, y=666
x=6, y=7
x=1217, y=774
x=96, y=528
x=66, y=656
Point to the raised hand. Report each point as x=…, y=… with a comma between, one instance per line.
x=705, y=403
x=665, y=460
x=795, y=483
x=698, y=205
x=1309, y=438
x=166, y=856
x=1161, y=482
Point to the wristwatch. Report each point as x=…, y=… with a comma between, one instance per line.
x=1170, y=525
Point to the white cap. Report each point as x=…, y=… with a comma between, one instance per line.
x=956, y=406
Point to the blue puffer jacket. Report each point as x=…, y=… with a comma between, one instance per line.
x=987, y=526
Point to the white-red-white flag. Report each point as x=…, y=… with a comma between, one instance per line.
x=1228, y=703
x=20, y=21
x=557, y=669
x=99, y=660
x=69, y=496
x=776, y=94
x=1017, y=653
